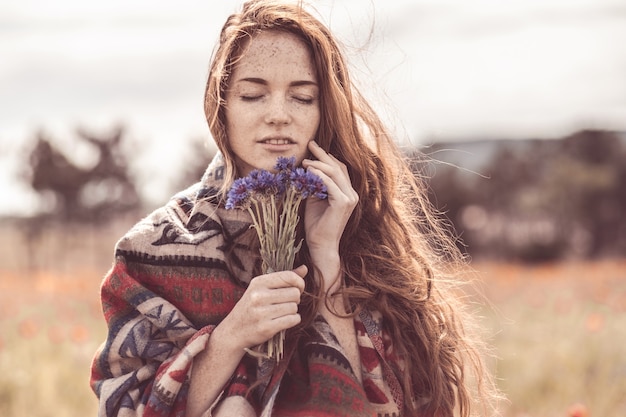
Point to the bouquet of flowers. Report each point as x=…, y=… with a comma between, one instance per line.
x=273, y=200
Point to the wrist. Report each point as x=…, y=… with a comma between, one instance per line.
x=327, y=270
x=224, y=341
x=325, y=256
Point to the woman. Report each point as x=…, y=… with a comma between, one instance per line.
x=371, y=327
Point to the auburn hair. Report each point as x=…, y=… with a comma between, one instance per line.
x=397, y=253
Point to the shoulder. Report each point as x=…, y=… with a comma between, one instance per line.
x=192, y=230
x=166, y=225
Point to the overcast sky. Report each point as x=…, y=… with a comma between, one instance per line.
x=447, y=70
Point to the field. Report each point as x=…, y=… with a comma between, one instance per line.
x=559, y=330
x=560, y=337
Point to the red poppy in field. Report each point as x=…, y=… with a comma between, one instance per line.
x=79, y=334
x=578, y=410
x=594, y=322
x=28, y=328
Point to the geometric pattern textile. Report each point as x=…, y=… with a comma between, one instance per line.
x=176, y=274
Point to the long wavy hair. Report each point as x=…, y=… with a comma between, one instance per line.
x=396, y=251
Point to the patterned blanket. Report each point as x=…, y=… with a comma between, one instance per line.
x=176, y=275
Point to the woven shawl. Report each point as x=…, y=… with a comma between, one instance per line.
x=176, y=275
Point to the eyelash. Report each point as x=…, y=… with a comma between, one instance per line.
x=250, y=98
x=256, y=98
x=304, y=100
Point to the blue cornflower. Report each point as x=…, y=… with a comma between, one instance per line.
x=284, y=164
x=273, y=201
x=238, y=194
x=308, y=184
x=260, y=181
x=317, y=187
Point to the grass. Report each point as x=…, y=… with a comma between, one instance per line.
x=560, y=337
x=559, y=333
x=48, y=337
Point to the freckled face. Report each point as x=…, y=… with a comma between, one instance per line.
x=272, y=102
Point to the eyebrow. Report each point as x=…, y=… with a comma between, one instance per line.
x=264, y=82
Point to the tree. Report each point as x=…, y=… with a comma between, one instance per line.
x=544, y=199
x=80, y=194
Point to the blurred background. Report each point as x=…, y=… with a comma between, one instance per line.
x=515, y=112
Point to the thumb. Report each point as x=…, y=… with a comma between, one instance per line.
x=301, y=271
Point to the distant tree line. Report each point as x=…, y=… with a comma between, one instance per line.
x=538, y=200
x=531, y=200
x=75, y=193
x=103, y=190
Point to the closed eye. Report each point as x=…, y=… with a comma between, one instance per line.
x=251, y=98
x=304, y=100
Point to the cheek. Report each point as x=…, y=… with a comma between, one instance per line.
x=309, y=119
x=237, y=120
x=315, y=119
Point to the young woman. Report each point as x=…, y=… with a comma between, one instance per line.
x=372, y=327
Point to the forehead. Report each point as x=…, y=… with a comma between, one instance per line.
x=275, y=53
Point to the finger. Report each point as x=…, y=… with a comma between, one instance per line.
x=287, y=279
x=270, y=317
x=332, y=167
x=323, y=159
x=284, y=295
x=340, y=191
x=318, y=152
x=334, y=173
x=262, y=299
x=286, y=322
x=276, y=311
x=265, y=329
x=332, y=185
x=341, y=165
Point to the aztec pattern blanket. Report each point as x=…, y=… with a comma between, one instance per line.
x=176, y=275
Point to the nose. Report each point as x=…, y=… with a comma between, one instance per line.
x=277, y=112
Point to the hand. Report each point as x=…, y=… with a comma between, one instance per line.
x=325, y=220
x=269, y=305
